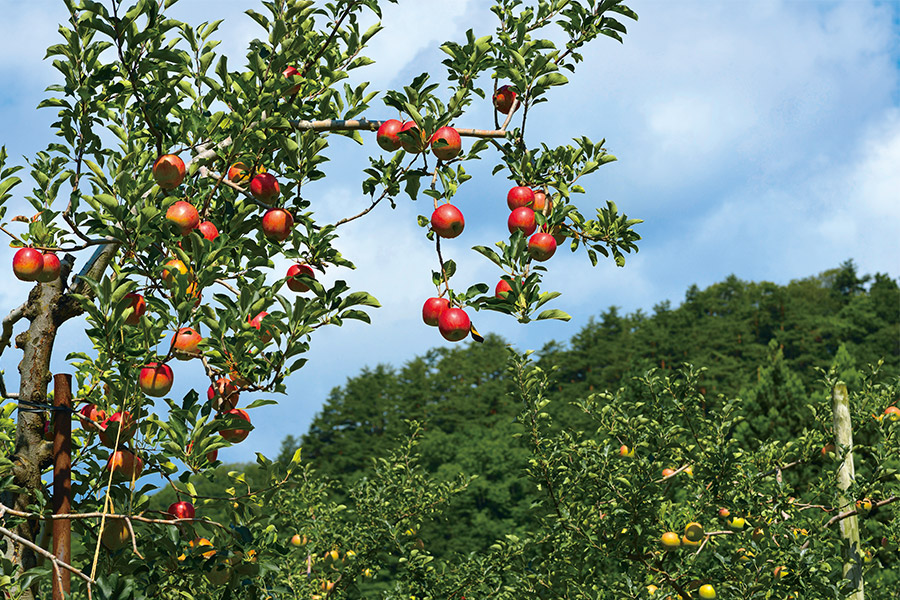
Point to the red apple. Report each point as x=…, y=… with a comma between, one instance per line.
x=387, y=135
x=28, y=264
x=264, y=187
x=519, y=196
x=184, y=216
x=125, y=465
x=451, y=147
x=541, y=202
x=454, y=324
x=522, y=219
x=208, y=230
x=256, y=323
x=185, y=342
x=168, y=171
x=239, y=173
x=432, y=310
x=277, y=224
x=295, y=284
x=503, y=99
x=182, y=510
x=289, y=73
x=211, y=456
x=90, y=413
x=155, y=379
x=541, y=246
x=223, y=394
x=447, y=221
x=172, y=267
x=122, y=420
x=50, y=270
x=503, y=287
x=235, y=436
x=49, y=431
x=414, y=146
x=138, y=308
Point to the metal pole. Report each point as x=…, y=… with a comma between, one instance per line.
x=62, y=480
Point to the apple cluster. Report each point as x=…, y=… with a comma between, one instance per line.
x=30, y=264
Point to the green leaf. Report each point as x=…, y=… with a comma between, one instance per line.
x=554, y=313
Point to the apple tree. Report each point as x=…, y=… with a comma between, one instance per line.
x=177, y=185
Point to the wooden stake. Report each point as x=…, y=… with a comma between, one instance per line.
x=843, y=440
x=62, y=481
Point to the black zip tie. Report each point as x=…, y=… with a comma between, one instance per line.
x=35, y=407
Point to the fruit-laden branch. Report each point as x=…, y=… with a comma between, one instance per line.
x=366, y=125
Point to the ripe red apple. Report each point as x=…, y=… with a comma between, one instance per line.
x=125, y=465
x=447, y=221
x=184, y=216
x=277, y=224
x=542, y=202
x=415, y=145
x=118, y=420
x=223, y=394
x=90, y=413
x=519, y=196
x=503, y=99
x=28, y=264
x=454, y=324
x=185, y=342
x=138, y=308
x=289, y=73
x=503, y=287
x=387, y=135
x=256, y=323
x=182, y=510
x=236, y=436
x=432, y=310
x=168, y=171
x=155, y=379
x=522, y=219
x=49, y=431
x=264, y=187
x=50, y=270
x=541, y=246
x=208, y=230
x=452, y=145
x=295, y=284
x=172, y=267
x=239, y=173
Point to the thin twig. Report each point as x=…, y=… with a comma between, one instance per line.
x=48, y=555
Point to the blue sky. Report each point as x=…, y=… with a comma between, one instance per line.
x=756, y=138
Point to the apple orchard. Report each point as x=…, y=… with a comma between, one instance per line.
x=177, y=181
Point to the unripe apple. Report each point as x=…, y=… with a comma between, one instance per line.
x=542, y=202
x=519, y=196
x=447, y=221
x=418, y=142
x=892, y=413
x=503, y=287
x=387, y=135
x=168, y=171
x=522, y=219
x=298, y=540
x=670, y=540
x=256, y=323
x=223, y=394
x=208, y=230
x=184, y=216
x=236, y=435
x=117, y=421
x=737, y=523
x=626, y=452
x=172, y=267
x=295, y=284
x=125, y=465
x=724, y=513
x=503, y=99
x=28, y=264
x=277, y=224
x=707, y=592
x=541, y=246
x=185, y=342
x=50, y=269
x=289, y=73
x=693, y=531
x=239, y=173
x=432, y=310
x=155, y=379
x=668, y=472
x=264, y=187
x=115, y=534
x=863, y=506
x=454, y=324
x=451, y=147
x=138, y=308
x=182, y=510
x=91, y=414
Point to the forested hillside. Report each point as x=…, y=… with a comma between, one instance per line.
x=761, y=342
